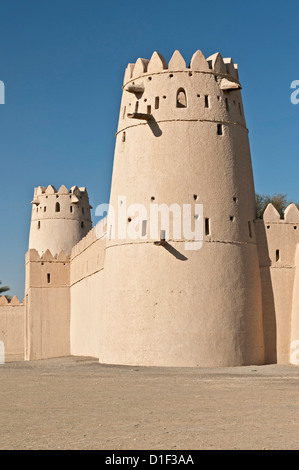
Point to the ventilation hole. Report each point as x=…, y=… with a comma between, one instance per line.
x=45, y=209
x=181, y=99
x=231, y=218
x=171, y=75
x=129, y=219
x=249, y=229
x=145, y=100
x=48, y=278
x=216, y=78
x=268, y=226
x=149, y=78
x=164, y=97
x=195, y=197
x=295, y=227
x=207, y=226
x=219, y=129
x=218, y=98
x=198, y=95
x=277, y=255
x=42, y=263
x=57, y=207
x=234, y=102
x=190, y=74
x=82, y=224
x=235, y=199
x=207, y=104
x=152, y=198
x=57, y=195
x=157, y=102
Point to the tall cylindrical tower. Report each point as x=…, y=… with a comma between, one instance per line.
x=59, y=218
x=182, y=139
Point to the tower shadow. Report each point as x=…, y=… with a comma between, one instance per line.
x=174, y=252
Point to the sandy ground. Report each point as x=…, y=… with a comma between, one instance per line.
x=76, y=403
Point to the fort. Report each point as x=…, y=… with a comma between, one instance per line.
x=181, y=139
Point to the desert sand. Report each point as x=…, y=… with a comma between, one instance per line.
x=77, y=403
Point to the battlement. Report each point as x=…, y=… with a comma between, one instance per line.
x=32, y=255
x=214, y=64
x=291, y=215
x=278, y=237
x=14, y=302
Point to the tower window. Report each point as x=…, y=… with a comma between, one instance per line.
x=149, y=109
x=124, y=113
x=57, y=207
x=181, y=99
x=240, y=109
x=123, y=139
x=136, y=106
x=219, y=129
x=71, y=208
x=82, y=210
x=157, y=102
x=226, y=104
x=48, y=278
x=249, y=229
x=38, y=225
x=207, y=226
x=277, y=255
x=207, y=101
x=45, y=209
x=82, y=224
x=144, y=225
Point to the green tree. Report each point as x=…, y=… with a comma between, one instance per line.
x=279, y=201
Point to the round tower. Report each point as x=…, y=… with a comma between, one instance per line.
x=182, y=139
x=59, y=218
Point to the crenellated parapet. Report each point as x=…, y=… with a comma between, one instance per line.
x=208, y=90
x=214, y=64
x=281, y=235
x=47, y=270
x=14, y=302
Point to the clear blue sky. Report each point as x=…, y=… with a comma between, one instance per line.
x=62, y=62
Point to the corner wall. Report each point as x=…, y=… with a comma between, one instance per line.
x=277, y=241
x=12, y=329
x=47, y=306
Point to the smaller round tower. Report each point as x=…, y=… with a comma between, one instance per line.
x=59, y=218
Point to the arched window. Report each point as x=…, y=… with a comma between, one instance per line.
x=181, y=99
x=57, y=207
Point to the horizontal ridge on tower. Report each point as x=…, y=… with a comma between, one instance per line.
x=157, y=64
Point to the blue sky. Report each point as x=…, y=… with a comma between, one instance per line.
x=63, y=61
